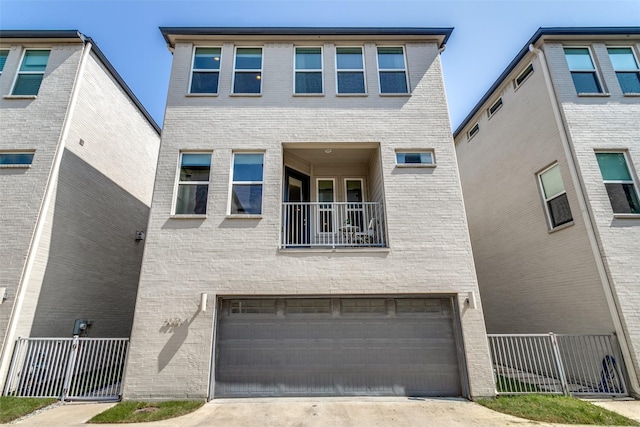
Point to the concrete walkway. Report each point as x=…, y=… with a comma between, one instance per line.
x=317, y=412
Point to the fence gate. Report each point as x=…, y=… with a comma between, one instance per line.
x=557, y=364
x=67, y=368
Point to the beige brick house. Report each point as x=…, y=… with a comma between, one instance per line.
x=77, y=163
x=549, y=162
x=307, y=234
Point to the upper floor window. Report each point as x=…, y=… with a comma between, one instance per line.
x=31, y=72
x=392, y=69
x=17, y=159
x=473, y=131
x=247, y=76
x=494, y=107
x=619, y=182
x=524, y=75
x=350, y=70
x=193, y=184
x=626, y=67
x=555, y=197
x=308, y=70
x=3, y=58
x=583, y=72
x=205, y=71
x=246, y=185
x=414, y=158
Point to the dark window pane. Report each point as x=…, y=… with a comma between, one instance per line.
x=192, y=199
x=560, y=210
x=204, y=82
x=586, y=82
x=623, y=197
x=308, y=82
x=246, y=199
x=350, y=82
x=27, y=84
x=3, y=58
x=194, y=173
x=16, y=158
x=247, y=83
x=393, y=82
x=249, y=59
x=629, y=82
x=248, y=167
x=207, y=58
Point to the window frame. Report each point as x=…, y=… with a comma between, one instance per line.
x=296, y=71
x=19, y=72
x=232, y=182
x=432, y=164
x=546, y=200
x=32, y=153
x=471, y=133
x=362, y=70
x=333, y=226
x=632, y=181
x=636, y=70
x=594, y=71
x=204, y=70
x=405, y=70
x=178, y=182
x=5, y=58
x=247, y=70
x=498, y=104
x=523, y=76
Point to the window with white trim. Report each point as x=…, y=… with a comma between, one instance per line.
x=31, y=72
x=16, y=159
x=583, y=71
x=392, y=70
x=205, y=70
x=619, y=182
x=556, y=202
x=193, y=183
x=473, y=131
x=494, y=107
x=247, y=74
x=414, y=158
x=626, y=67
x=326, y=190
x=350, y=70
x=4, y=53
x=246, y=185
x=524, y=75
x=308, y=70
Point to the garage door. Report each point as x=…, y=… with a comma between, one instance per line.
x=336, y=346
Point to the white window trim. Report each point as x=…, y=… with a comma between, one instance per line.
x=7, y=57
x=18, y=73
x=362, y=188
x=517, y=85
x=632, y=181
x=636, y=70
x=334, y=226
x=247, y=70
x=178, y=182
x=603, y=89
x=18, y=165
x=363, y=70
x=321, y=71
x=416, y=165
x=405, y=70
x=232, y=182
x=498, y=108
x=204, y=70
x=469, y=132
x=546, y=199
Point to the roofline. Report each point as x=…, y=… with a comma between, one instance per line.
x=75, y=34
x=542, y=32
x=306, y=31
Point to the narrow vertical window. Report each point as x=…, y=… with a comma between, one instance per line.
x=555, y=197
x=31, y=72
x=308, y=70
x=392, y=70
x=193, y=184
x=325, y=205
x=350, y=70
x=3, y=58
x=473, y=131
x=619, y=183
x=247, y=77
x=206, y=70
x=626, y=68
x=246, y=188
x=583, y=72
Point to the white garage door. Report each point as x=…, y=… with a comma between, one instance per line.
x=336, y=346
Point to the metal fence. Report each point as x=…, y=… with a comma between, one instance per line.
x=67, y=368
x=557, y=364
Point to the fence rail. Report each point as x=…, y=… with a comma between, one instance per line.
x=67, y=368
x=557, y=364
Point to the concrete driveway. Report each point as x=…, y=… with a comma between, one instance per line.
x=303, y=412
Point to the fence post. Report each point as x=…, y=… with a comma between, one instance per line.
x=12, y=367
x=70, y=366
x=559, y=365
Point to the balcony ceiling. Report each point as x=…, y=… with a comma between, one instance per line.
x=337, y=155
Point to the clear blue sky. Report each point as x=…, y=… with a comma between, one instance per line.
x=487, y=34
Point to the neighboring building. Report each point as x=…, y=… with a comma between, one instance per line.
x=78, y=154
x=549, y=164
x=307, y=234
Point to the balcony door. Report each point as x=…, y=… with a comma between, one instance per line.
x=354, y=195
x=296, y=194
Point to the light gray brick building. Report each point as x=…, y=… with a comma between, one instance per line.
x=307, y=234
x=77, y=162
x=549, y=162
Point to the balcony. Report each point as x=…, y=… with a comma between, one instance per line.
x=333, y=225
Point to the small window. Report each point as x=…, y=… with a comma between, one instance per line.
x=31, y=72
x=16, y=159
x=253, y=306
x=524, y=75
x=414, y=158
x=247, y=77
x=555, y=197
x=193, y=184
x=205, y=70
x=246, y=188
x=308, y=70
x=495, y=107
x=626, y=67
x=620, y=185
x=3, y=58
x=363, y=306
x=392, y=70
x=307, y=306
x=583, y=72
x=350, y=70
x=473, y=131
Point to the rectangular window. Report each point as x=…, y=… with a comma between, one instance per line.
x=626, y=67
x=583, y=72
x=350, y=70
x=414, y=158
x=523, y=76
x=325, y=206
x=3, y=58
x=620, y=185
x=193, y=184
x=16, y=159
x=205, y=70
x=31, y=72
x=392, y=70
x=473, y=131
x=495, y=107
x=264, y=306
x=308, y=70
x=247, y=76
x=246, y=188
x=555, y=197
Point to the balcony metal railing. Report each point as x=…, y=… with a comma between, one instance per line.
x=332, y=225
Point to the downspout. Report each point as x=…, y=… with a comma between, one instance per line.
x=5, y=357
x=623, y=339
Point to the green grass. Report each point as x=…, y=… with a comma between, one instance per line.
x=137, y=412
x=505, y=385
x=556, y=409
x=12, y=408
